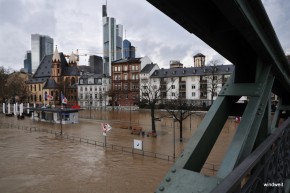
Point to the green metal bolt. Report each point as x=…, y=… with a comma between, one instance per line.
x=173, y=170
x=168, y=179
x=161, y=188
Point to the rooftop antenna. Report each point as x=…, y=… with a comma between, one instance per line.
x=125, y=33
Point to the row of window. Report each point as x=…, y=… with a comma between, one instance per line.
x=92, y=81
x=91, y=88
x=125, y=68
x=193, y=94
x=91, y=96
x=125, y=76
x=126, y=86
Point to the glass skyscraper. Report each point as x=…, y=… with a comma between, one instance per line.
x=27, y=62
x=41, y=45
x=128, y=50
x=112, y=41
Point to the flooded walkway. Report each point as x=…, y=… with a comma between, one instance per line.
x=41, y=162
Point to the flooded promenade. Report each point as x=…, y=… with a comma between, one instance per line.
x=34, y=161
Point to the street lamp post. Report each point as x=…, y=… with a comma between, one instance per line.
x=190, y=121
x=173, y=137
x=130, y=115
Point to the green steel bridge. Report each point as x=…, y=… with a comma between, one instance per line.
x=258, y=158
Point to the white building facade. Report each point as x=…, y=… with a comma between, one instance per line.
x=93, y=90
x=199, y=85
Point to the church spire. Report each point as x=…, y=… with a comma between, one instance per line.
x=56, y=56
x=72, y=58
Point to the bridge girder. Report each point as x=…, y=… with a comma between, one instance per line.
x=241, y=32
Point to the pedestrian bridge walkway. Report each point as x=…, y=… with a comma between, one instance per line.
x=258, y=159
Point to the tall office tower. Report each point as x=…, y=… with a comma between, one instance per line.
x=128, y=49
x=112, y=40
x=27, y=62
x=96, y=64
x=41, y=45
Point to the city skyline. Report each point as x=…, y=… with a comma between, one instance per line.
x=76, y=25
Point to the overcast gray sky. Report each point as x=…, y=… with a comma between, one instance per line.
x=75, y=24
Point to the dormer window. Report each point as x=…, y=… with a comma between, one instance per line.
x=204, y=70
x=194, y=71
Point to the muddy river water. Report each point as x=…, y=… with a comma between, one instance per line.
x=37, y=162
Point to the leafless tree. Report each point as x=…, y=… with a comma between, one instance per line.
x=4, y=73
x=211, y=82
x=15, y=86
x=152, y=94
x=113, y=95
x=179, y=109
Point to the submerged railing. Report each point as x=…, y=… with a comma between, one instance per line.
x=210, y=168
x=266, y=169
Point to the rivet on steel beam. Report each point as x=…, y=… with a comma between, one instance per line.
x=173, y=170
x=168, y=179
x=161, y=188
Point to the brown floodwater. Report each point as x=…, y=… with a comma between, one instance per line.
x=40, y=162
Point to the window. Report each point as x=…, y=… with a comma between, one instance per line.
x=91, y=89
x=193, y=94
x=133, y=67
x=125, y=76
x=126, y=68
x=86, y=89
x=193, y=86
x=81, y=96
x=115, y=68
x=90, y=81
x=81, y=88
x=119, y=68
x=137, y=67
x=173, y=94
x=172, y=86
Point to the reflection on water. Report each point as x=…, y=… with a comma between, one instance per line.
x=39, y=162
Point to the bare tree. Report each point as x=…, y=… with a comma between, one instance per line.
x=152, y=95
x=4, y=73
x=15, y=86
x=113, y=95
x=179, y=109
x=212, y=81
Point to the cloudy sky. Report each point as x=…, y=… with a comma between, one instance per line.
x=75, y=24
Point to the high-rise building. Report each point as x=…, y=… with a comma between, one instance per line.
x=96, y=64
x=41, y=45
x=128, y=49
x=112, y=41
x=27, y=62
